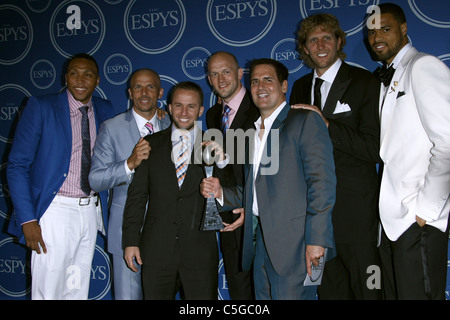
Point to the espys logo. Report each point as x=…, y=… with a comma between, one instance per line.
x=12, y=100
x=342, y=10
x=43, y=74
x=285, y=51
x=144, y=22
x=117, y=69
x=194, y=63
x=14, y=269
x=77, y=26
x=100, y=275
x=253, y=19
x=16, y=34
x=437, y=18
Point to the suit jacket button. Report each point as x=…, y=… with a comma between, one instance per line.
x=179, y=198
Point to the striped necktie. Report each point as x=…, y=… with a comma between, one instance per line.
x=181, y=164
x=225, y=124
x=149, y=127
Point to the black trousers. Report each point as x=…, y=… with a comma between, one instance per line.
x=163, y=283
x=345, y=276
x=240, y=284
x=414, y=267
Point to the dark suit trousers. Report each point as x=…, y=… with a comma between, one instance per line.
x=163, y=283
x=414, y=267
x=239, y=281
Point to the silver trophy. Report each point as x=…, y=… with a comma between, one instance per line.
x=211, y=219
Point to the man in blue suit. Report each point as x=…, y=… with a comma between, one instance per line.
x=56, y=214
x=119, y=149
x=289, y=189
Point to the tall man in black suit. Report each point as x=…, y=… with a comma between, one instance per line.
x=237, y=107
x=171, y=246
x=348, y=102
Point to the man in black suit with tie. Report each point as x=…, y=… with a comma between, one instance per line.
x=236, y=106
x=171, y=247
x=347, y=99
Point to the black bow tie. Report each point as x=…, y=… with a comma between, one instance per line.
x=385, y=74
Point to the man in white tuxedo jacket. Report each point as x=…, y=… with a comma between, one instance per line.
x=118, y=150
x=415, y=149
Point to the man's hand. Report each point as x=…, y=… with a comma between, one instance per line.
x=236, y=224
x=211, y=146
x=312, y=108
x=211, y=188
x=313, y=254
x=141, y=151
x=421, y=222
x=130, y=254
x=33, y=236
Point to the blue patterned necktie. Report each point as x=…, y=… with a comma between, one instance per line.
x=225, y=124
x=85, y=151
x=149, y=127
x=181, y=164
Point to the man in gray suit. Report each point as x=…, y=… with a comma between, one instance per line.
x=289, y=189
x=118, y=150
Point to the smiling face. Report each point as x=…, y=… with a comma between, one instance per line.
x=185, y=108
x=82, y=78
x=267, y=91
x=224, y=75
x=387, y=41
x=322, y=47
x=145, y=90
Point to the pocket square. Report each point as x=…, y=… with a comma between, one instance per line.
x=341, y=107
x=400, y=93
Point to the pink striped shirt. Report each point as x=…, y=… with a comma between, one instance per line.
x=71, y=186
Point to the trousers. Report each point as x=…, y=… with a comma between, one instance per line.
x=69, y=231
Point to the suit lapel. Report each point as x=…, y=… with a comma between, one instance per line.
x=387, y=106
x=267, y=152
x=337, y=90
x=132, y=129
x=63, y=115
x=305, y=90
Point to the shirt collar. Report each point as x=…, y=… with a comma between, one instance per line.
x=400, y=55
x=331, y=73
x=141, y=121
x=270, y=119
x=74, y=104
x=176, y=133
x=235, y=102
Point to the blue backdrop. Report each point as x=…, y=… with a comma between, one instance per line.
x=174, y=37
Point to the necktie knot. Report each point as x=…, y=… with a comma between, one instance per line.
x=225, y=124
x=385, y=74
x=149, y=127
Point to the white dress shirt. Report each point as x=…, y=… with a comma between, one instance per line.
x=259, y=148
x=328, y=78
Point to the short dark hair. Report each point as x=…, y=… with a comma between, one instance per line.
x=187, y=85
x=280, y=69
x=80, y=56
x=393, y=9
